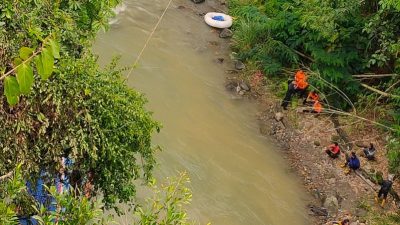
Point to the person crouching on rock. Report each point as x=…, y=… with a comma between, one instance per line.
x=352, y=163
x=298, y=85
x=333, y=150
x=384, y=191
x=370, y=152
x=314, y=101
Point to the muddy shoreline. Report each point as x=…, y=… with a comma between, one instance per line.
x=302, y=137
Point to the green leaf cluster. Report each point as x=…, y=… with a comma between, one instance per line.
x=164, y=207
x=60, y=103
x=335, y=40
x=22, y=83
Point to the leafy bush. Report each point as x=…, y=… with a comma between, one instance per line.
x=166, y=206
x=334, y=40
x=81, y=112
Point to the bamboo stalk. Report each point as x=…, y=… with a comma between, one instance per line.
x=379, y=91
x=376, y=75
x=387, y=90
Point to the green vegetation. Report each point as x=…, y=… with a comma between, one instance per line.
x=56, y=101
x=164, y=207
x=349, y=48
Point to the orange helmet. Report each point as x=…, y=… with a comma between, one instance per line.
x=317, y=107
x=300, y=79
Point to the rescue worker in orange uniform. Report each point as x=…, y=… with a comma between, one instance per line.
x=313, y=99
x=297, y=86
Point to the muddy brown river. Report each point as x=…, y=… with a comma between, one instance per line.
x=237, y=176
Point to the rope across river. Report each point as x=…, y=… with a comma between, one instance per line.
x=148, y=40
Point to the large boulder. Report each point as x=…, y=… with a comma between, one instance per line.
x=332, y=205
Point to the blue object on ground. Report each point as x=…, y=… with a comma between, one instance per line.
x=219, y=18
x=27, y=221
x=39, y=193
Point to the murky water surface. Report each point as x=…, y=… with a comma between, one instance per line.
x=237, y=177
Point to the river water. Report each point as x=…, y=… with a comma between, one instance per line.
x=237, y=176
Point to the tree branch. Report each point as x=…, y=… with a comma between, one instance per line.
x=303, y=55
x=388, y=89
x=375, y=75
x=15, y=68
x=380, y=92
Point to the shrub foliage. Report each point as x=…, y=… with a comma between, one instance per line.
x=337, y=40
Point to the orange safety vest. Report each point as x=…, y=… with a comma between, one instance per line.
x=300, y=80
x=317, y=107
x=313, y=96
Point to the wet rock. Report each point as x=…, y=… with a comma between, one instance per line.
x=225, y=33
x=198, y=1
x=278, y=116
x=332, y=205
x=239, y=65
x=220, y=60
x=319, y=211
x=244, y=86
x=230, y=86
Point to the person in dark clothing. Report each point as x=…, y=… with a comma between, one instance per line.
x=333, y=150
x=297, y=86
x=354, y=162
x=370, y=152
x=384, y=191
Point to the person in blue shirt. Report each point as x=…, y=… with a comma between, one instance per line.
x=352, y=162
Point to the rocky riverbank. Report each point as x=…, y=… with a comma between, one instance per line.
x=302, y=138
